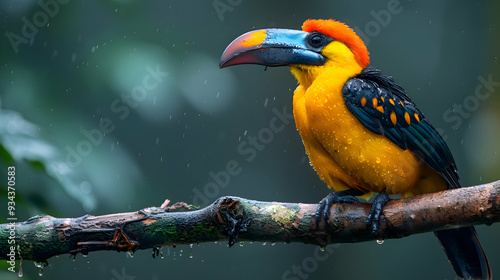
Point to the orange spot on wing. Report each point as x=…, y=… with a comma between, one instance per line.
x=416, y=117
x=401, y=102
x=363, y=101
x=149, y=221
x=375, y=102
x=394, y=119
x=392, y=102
x=407, y=118
x=381, y=97
x=380, y=108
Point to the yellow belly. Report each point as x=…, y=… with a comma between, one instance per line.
x=347, y=155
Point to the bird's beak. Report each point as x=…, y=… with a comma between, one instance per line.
x=271, y=47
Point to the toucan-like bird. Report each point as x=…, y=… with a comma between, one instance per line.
x=361, y=131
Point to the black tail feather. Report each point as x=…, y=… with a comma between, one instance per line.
x=465, y=253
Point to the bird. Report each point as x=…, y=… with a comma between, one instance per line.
x=362, y=132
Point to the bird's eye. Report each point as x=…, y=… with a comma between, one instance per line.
x=317, y=40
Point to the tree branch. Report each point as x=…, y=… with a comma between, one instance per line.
x=42, y=237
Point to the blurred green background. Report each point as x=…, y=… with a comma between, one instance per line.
x=79, y=68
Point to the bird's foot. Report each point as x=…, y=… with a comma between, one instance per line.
x=348, y=196
x=373, y=217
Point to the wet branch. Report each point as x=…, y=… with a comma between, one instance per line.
x=230, y=218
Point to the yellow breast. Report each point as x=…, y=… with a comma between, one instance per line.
x=343, y=152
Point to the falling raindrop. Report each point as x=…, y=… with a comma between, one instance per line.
x=190, y=255
x=20, y=274
x=264, y=244
x=38, y=264
x=380, y=241
x=241, y=244
x=361, y=158
x=130, y=253
x=41, y=265
x=322, y=249
x=156, y=251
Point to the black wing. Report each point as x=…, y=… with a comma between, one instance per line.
x=383, y=107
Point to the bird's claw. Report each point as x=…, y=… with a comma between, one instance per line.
x=373, y=217
x=332, y=198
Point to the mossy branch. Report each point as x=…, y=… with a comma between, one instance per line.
x=43, y=237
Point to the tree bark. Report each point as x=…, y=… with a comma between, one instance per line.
x=233, y=218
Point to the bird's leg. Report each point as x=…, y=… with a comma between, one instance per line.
x=374, y=215
x=348, y=196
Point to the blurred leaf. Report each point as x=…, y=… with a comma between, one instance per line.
x=21, y=141
x=38, y=165
x=5, y=156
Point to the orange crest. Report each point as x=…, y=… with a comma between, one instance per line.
x=343, y=33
